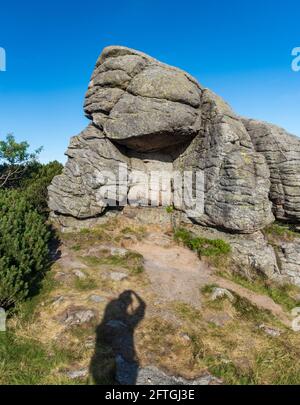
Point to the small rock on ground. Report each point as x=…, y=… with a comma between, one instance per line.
x=83, y=372
x=270, y=331
x=153, y=376
x=115, y=276
x=57, y=300
x=96, y=298
x=76, y=316
x=221, y=293
x=79, y=274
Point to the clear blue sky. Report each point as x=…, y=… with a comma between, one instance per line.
x=240, y=49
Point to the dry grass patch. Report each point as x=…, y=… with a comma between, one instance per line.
x=278, y=232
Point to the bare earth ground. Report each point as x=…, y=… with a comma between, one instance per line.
x=176, y=273
x=181, y=330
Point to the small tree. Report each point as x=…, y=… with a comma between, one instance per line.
x=14, y=160
x=24, y=254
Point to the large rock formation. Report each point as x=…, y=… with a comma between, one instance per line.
x=155, y=117
x=152, y=117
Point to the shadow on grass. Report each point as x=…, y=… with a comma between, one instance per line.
x=115, y=359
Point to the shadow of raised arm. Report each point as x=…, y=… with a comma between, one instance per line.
x=139, y=312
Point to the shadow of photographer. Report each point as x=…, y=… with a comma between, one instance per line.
x=115, y=359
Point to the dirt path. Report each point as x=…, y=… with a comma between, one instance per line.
x=176, y=273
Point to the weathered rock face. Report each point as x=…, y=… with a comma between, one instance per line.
x=289, y=260
x=153, y=117
x=282, y=153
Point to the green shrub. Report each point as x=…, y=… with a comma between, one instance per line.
x=23, y=248
x=203, y=246
x=36, y=184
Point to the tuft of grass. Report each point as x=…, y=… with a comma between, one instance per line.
x=187, y=312
x=203, y=246
x=136, y=232
x=198, y=348
x=85, y=231
x=227, y=371
x=250, y=312
x=84, y=284
x=85, y=237
x=217, y=304
x=92, y=261
x=208, y=288
x=170, y=209
x=279, y=231
x=135, y=262
x=216, y=250
x=132, y=261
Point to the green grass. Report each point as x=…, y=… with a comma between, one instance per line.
x=25, y=311
x=228, y=372
x=279, y=231
x=132, y=261
x=217, y=251
x=26, y=361
x=22, y=361
x=92, y=261
x=281, y=294
x=279, y=364
x=250, y=312
x=276, y=364
x=208, y=288
x=85, y=237
x=203, y=246
x=84, y=284
x=186, y=312
x=140, y=231
x=85, y=231
x=170, y=209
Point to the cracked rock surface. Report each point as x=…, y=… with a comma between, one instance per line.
x=282, y=153
x=151, y=116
